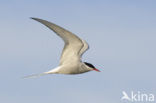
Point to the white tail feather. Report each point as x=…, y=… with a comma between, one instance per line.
x=53, y=71
x=35, y=75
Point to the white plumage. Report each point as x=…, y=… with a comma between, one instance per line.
x=70, y=61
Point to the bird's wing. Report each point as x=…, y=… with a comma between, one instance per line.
x=74, y=47
x=84, y=48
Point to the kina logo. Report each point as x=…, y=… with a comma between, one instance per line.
x=137, y=97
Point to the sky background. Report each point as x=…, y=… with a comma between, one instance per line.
x=122, y=39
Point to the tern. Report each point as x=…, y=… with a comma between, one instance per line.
x=74, y=48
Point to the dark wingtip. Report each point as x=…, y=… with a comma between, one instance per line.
x=33, y=18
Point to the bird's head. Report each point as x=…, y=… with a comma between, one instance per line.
x=91, y=67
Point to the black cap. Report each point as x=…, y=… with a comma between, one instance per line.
x=90, y=65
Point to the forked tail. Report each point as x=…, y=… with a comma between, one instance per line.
x=53, y=71
x=35, y=75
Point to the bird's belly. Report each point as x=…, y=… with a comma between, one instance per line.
x=72, y=69
x=69, y=71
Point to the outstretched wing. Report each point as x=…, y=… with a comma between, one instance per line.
x=84, y=48
x=74, y=47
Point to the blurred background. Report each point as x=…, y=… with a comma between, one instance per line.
x=122, y=39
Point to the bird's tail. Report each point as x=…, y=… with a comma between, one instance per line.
x=35, y=75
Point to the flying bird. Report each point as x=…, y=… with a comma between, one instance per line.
x=74, y=48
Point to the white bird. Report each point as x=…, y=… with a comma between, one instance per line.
x=70, y=61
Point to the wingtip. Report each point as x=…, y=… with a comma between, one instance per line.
x=33, y=18
x=37, y=19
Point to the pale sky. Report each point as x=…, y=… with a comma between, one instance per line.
x=122, y=39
